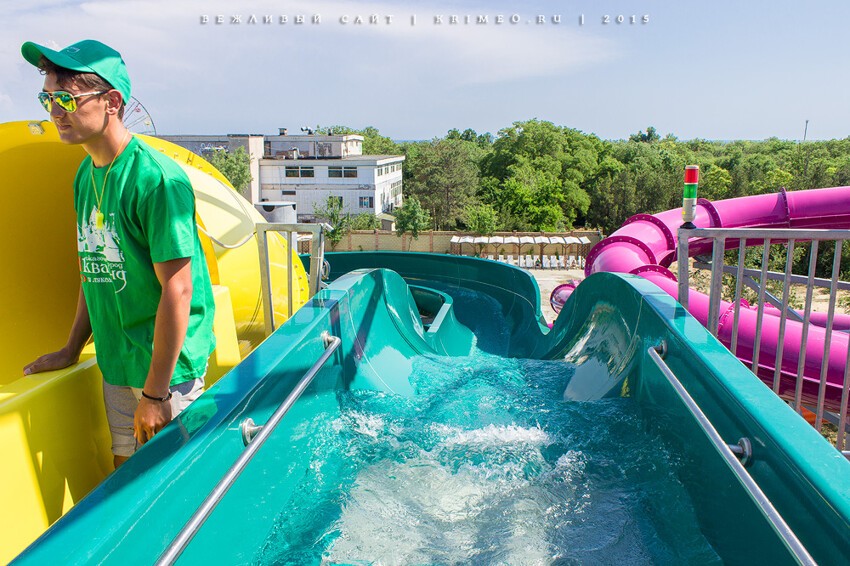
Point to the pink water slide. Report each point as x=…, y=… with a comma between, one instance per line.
x=646, y=245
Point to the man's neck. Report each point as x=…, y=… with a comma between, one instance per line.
x=106, y=147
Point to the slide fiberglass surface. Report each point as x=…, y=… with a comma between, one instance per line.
x=453, y=425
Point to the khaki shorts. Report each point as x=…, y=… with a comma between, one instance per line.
x=121, y=403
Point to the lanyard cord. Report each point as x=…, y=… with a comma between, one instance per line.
x=99, y=198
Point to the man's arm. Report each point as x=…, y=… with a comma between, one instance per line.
x=70, y=352
x=172, y=320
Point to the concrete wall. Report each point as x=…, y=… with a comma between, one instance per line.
x=440, y=242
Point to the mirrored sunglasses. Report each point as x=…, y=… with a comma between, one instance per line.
x=64, y=100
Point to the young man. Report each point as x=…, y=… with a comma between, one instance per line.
x=145, y=291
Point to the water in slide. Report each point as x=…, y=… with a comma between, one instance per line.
x=452, y=425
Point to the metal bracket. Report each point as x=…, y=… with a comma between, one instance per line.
x=743, y=450
x=249, y=430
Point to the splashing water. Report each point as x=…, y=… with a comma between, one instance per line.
x=487, y=464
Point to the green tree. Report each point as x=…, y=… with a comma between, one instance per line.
x=331, y=212
x=535, y=173
x=365, y=221
x=484, y=140
x=650, y=136
x=612, y=195
x=373, y=142
x=715, y=183
x=411, y=219
x=533, y=199
x=481, y=219
x=444, y=176
x=235, y=166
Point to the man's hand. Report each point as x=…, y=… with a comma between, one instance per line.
x=150, y=418
x=54, y=360
x=70, y=352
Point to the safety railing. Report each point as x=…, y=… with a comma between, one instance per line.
x=736, y=456
x=317, y=255
x=254, y=437
x=766, y=237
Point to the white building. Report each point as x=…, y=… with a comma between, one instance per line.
x=306, y=169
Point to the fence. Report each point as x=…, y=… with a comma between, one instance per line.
x=441, y=242
x=802, y=355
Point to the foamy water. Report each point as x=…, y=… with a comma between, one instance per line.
x=487, y=464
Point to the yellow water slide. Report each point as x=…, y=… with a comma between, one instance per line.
x=53, y=435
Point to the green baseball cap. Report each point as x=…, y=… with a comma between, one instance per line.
x=87, y=56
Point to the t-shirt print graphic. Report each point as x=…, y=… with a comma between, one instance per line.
x=101, y=258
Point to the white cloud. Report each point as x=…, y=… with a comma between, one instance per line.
x=151, y=29
x=408, y=80
x=314, y=68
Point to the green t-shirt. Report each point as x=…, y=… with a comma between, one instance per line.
x=148, y=209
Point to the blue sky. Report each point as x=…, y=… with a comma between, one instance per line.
x=714, y=70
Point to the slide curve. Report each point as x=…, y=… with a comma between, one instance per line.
x=646, y=245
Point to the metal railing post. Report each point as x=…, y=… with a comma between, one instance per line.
x=316, y=258
x=765, y=260
x=290, y=270
x=717, y=255
x=783, y=318
x=845, y=398
x=807, y=315
x=682, y=265
x=827, y=346
x=739, y=279
x=265, y=279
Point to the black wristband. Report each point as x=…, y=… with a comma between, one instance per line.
x=160, y=399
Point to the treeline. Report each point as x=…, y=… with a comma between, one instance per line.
x=535, y=175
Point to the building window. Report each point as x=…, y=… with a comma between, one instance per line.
x=300, y=172
x=367, y=202
x=395, y=188
x=339, y=172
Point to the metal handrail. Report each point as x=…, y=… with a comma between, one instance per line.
x=193, y=525
x=728, y=453
x=317, y=258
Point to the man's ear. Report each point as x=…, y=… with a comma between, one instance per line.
x=113, y=101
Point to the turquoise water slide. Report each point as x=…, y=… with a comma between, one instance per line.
x=452, y=425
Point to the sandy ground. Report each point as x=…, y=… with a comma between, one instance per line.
x=547, y=280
